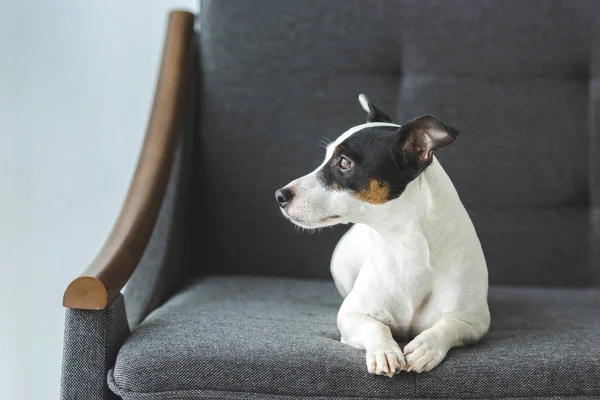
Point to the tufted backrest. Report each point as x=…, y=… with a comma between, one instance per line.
x=518, y=78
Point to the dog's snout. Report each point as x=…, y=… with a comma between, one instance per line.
x=283, y=196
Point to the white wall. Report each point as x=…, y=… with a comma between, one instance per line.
x=76, y=82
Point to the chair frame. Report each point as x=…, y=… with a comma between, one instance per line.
x=101, y=282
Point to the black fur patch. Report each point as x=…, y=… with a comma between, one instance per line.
x=386, y=158
x=381, y=171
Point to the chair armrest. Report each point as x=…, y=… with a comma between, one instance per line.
x=103, y=280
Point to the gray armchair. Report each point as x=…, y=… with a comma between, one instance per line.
x=224, y=299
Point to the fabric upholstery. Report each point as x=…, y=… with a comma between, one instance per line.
x=517, y=78
x=91, y=342
x=166, y=263
x=249, y=337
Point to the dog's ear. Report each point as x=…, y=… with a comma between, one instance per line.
x=424, y=135
x=375, y=114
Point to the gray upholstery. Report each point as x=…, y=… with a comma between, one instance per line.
x=166, y=263
x=248, y=335
x=91, y=342
x=516, y=77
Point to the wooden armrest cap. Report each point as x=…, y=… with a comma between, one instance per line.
x=86, y=292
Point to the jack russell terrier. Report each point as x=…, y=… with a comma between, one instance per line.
x=411, y=268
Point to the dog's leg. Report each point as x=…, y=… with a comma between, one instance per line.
x=384, y=356
x=430, y=347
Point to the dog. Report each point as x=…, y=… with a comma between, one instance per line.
x=411, y=269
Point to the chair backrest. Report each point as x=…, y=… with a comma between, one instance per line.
x=518, y=78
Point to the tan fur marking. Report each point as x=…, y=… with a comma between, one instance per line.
x=336, y=185
x=376, y=193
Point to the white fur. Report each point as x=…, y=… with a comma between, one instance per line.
x=364, y=102
x=411, y=269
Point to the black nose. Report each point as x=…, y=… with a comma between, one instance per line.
x=283, y=195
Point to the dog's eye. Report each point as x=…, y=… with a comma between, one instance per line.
x=345, y=164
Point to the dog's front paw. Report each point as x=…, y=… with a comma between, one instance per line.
x=423, y=355
x=386, y=361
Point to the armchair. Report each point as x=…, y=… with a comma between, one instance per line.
x=224, y=299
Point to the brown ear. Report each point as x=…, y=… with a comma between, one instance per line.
x=424, y=135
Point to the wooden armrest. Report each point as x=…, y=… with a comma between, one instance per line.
x=102, y=281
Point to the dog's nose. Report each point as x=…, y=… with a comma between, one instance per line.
x=283, y=196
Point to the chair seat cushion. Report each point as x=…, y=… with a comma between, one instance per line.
x=252, y=337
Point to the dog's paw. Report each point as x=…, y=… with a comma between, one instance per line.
x=423, y=355
x=386, y=361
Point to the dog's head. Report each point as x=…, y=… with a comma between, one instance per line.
x=366, y=167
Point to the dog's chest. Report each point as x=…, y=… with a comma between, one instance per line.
x=407, y=308
x=404, y=281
